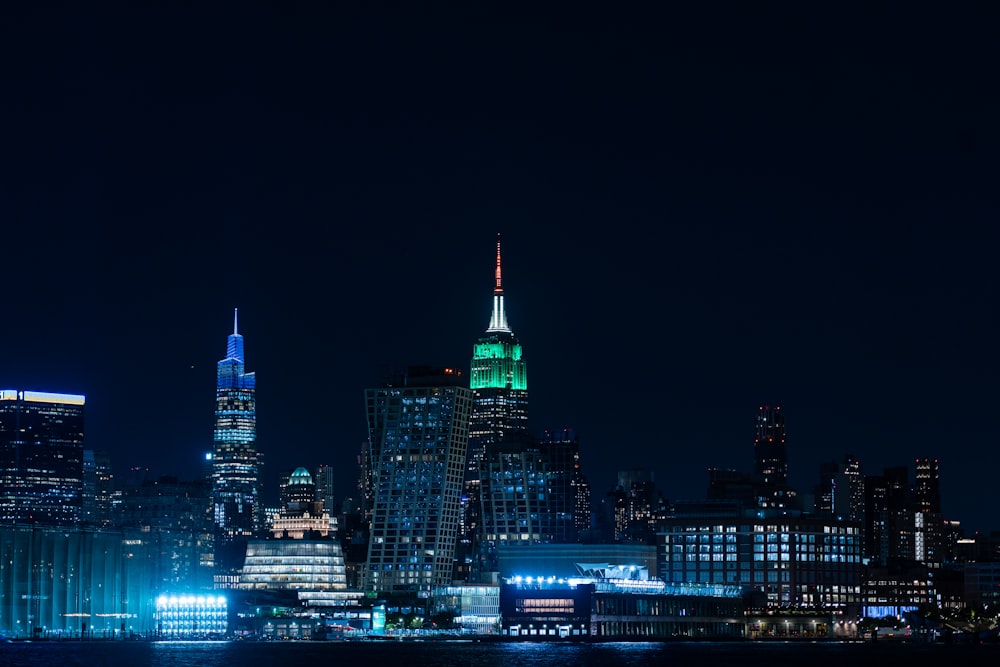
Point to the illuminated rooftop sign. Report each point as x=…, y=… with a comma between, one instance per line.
x=41, y=397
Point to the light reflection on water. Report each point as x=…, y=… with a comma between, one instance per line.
x=476, y=654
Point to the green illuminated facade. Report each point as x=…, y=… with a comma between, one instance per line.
x=499, y=381
x=498, y=364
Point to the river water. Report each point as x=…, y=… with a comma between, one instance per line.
x=489, y=654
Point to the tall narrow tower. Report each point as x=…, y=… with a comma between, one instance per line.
x=499, y=382
x=235, y=460
x=770, y=454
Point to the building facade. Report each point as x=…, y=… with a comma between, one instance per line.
x=41, y=458
x=301, y=515
x=803, y=562
x=99, y=493
x=418, y=426
x=499, y=381
x=528, y=494
x=175, y=517
x=71, y=582
x=236, y=463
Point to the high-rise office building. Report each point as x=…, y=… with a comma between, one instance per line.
x=928, y=486
x=888, y=532
x=527, y=493
x=770, y=454
x=175, y=517
x=854, y=474
x=324, y=480
x=499, y=382
x=41, y=457
x=236, y=463
x=98, y=489
x=418, y=432
x=929, y=527
x=841, y=490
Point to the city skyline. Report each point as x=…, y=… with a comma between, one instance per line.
x=702, y=213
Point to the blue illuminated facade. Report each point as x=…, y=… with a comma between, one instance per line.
x=236, y=462
x=418, y=433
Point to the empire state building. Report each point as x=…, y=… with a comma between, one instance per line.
x=499, y=381
x=235, y=461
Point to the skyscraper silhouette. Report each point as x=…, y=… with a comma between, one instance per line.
x=236, y=462
x=499, y=382
x=770, y=454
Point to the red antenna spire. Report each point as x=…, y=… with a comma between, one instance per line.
x=498, y=320
x=498, y=288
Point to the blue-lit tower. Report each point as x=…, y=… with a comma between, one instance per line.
x=236, y=462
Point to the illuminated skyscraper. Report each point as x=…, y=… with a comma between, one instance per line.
x=499, y=382
x=235, y=461
x=418, y=431
x=41, y=457
x=770, y=455
x=528, y=492
x=98, y=488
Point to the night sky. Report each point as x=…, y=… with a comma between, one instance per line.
x=704, y=208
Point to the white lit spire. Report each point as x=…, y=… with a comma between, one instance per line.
x=498, y=320
x=235, y=328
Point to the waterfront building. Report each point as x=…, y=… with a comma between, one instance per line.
x=794, y=560
x=475, y=608
x=499, y=381
x=41, y=457
x=418, y=432
x=982, y=584
x=236, y=463
x=613, y=602
x=894, y=593
x=560, y=560
x=191, y=616
x=299, y=572
x=293, y=564
x=71, y=582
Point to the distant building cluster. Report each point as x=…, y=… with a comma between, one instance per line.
x=463, y=518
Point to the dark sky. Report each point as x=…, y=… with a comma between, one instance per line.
x=704, y=207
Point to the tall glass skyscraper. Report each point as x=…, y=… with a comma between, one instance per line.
x=418, y=432
x=41, y=457
x=499, y=382
x=236, y=462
